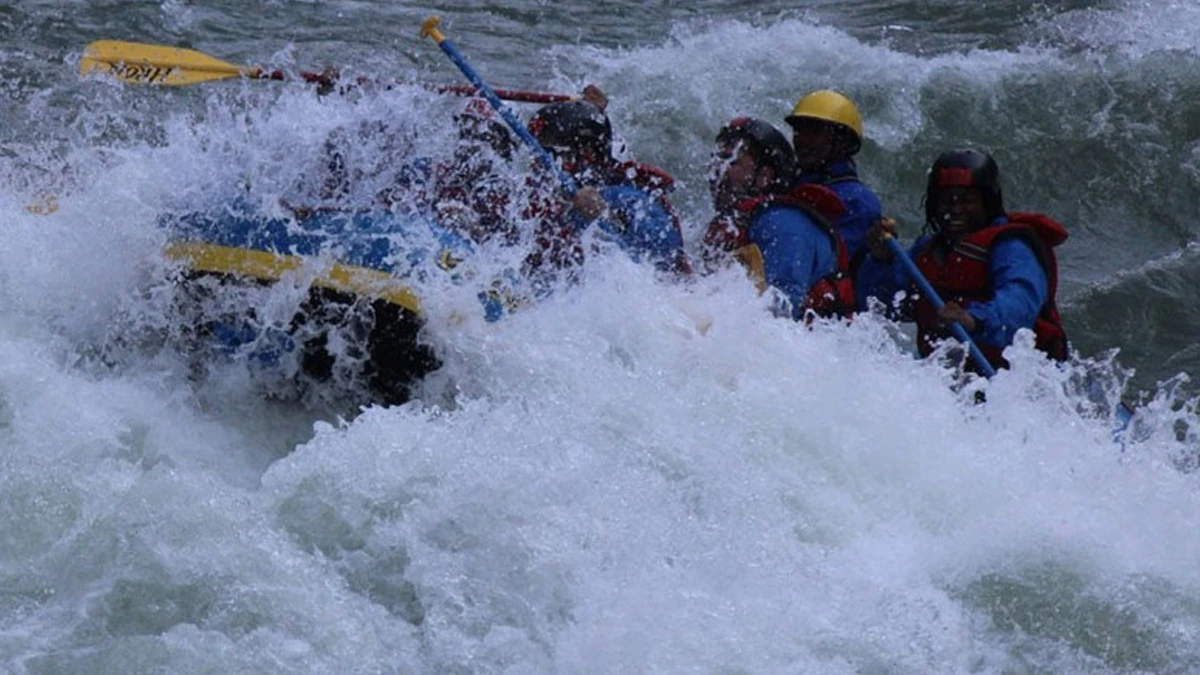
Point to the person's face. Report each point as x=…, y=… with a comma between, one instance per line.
x=732, y=174
x=814, y=142
x=958, y=211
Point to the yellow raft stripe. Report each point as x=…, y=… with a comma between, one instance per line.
x=267, y=266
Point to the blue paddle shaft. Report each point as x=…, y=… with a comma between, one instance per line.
x=959, y=332
x=568, y=184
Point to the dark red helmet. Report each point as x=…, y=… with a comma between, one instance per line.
x=965, y=167
x=577, y=125
x=767, y=145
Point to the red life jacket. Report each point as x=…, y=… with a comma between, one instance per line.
x=646, y=176
x=550, y=210
x=830, y=296
x=659, y=184
x=963, y=278
x=547, y=202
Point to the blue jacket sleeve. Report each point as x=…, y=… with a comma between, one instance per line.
x=1021, y=289
x=862, y=209
x=640, y=225
x=796, y=252
x=883, y=280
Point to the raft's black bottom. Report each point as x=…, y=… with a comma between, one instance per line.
x=350, y=343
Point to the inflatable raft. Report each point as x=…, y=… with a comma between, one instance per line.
x=351, y=313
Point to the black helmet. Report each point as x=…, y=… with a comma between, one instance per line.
x=766, y=143
x=965, y=167
x=573, y=124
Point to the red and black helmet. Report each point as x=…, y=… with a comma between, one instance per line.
x=577, y=125
x=965, y=167
x=767, y=144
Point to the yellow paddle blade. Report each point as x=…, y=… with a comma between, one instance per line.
x=155, y=64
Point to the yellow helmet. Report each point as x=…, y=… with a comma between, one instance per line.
x=828, y=106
